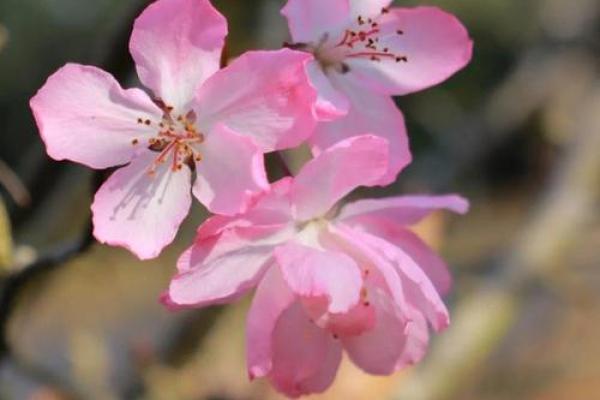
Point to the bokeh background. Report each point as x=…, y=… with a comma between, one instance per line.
x=518, y=132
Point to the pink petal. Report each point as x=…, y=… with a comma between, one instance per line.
x=221, y=268
x=176, y=45
x=435, y=43
x=360, y=319
x=431, y=263
x=419, y=290
x=271, y=299
x=142, y=212
x=264, y=95
x=231, y=172
x=309, y=20
x=400, y=210
x=319, y=185
x=270, y=208
x=379, y=350
x=305, y=357
x=377, y=270
x=417, y=340
x=331, y=102
x=368, y=8
x=369, y=113
x=85, y=116
x=312, y=273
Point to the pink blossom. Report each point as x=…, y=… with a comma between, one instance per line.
x=328, y=279
x=364, y=51
x=201, y=121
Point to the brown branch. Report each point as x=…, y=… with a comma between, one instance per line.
x=14, y=186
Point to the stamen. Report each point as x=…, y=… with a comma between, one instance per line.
x=174, y=139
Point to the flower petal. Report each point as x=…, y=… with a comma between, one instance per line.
x=431, y=263
x=417, y=339
x=379, y=350
x=436, y=45
x=377, y=270
x=85, y=116
x=313, y=273
x=264, y=95
x=331, y=102
x=221, y=268
x=272, y=298
x=270, y=208
x=231, y=172
x=371, y=113
x=417, y=287
x=142, y=212
x=309, y=20
x=359, y=319
x=369, y=8
x=400, y=210
x=319, y=185
x=310, y=364
x=176, y=45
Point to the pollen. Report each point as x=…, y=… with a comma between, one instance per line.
x=365, y=38
x=176, y=140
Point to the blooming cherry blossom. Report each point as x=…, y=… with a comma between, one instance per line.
x=328, y=279
x=201, y=122
x=364, y=51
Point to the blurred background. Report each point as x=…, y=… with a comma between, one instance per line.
x=518, y=132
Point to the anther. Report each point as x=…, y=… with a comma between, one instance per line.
x=400, y=32
x=134, y=142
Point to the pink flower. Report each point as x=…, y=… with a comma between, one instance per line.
x=364, y=52
x=328, y=279
x=204, y=122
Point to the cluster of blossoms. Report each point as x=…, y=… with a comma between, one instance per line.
x=328, y=277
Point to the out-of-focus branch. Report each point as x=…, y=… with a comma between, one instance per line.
x=539, y=73
x=3, y=37
x=482, y=318
x=13, y=184
x=44, y=377
x=12, y=285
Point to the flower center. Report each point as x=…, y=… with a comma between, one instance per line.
x=363, y=39
x=175, y=141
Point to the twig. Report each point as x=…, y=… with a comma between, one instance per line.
x=44, y=377
x=12, y=285
x=13, y=185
